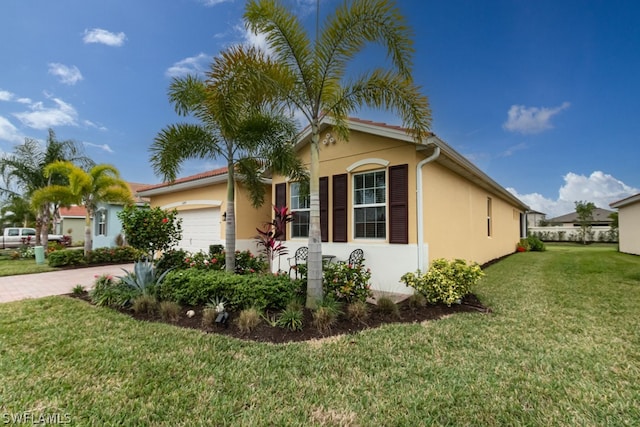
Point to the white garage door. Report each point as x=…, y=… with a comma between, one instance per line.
x=200, y=228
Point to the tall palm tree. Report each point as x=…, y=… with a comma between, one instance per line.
x=241, y=127
x=102, y=183
x=311, y=76
x=17, y=211
x=23, y=173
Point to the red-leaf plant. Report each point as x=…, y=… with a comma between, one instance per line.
x=269, y=238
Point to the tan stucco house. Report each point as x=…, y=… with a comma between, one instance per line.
x=403, y=203
x=629, y=223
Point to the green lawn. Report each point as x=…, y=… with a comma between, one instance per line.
x=562, y=347
x=12, y=267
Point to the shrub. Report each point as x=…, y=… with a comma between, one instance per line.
x=358, y=311
x=248, y=320
x=262, y=291
x=144, y=278
x=108, y=292
x=535, y=244
x=291, y=319
x=78, y=290
x=144, y=304
x=326, y=315
x=169, y=311
x=151, y=229
x=446, y=281
x=66, y=258
x=417, y=300
x=347, y=282
x=171, y=260
x=117, y=255
x=387, y=306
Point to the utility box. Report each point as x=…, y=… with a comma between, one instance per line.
x=39, y=251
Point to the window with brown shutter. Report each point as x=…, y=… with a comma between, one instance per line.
x=340, y=208
x=399, y=204
x=324, y=208
x=281, y=200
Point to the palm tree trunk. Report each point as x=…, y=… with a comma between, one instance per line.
x=230, y=226
x=87, y=233
x=314, y=260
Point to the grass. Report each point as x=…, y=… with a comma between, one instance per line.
x=561, y=347
x=13, y=267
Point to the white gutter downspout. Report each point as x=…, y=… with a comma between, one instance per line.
x=419, y=208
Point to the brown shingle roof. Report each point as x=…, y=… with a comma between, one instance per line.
x=207, y=174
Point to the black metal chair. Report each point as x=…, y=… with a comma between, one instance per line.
x=356, y=257
x=298, y=258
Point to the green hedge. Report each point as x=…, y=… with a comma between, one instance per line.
x=262, y=291
x=75, y=257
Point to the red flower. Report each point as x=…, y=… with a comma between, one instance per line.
x=165, y=220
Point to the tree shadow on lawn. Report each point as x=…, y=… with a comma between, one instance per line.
x=265, y=332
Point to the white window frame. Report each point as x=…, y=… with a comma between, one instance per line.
x=101, y=222
x=355, y=207
x=299, y=204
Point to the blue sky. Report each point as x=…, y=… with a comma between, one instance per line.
x=541, y=95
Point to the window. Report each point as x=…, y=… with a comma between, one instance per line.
x=300, y=207
x=489, y=216
x=369, y=205
x=101, y=223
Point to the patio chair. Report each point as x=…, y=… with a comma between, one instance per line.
x=298, y=258
x=356, y=257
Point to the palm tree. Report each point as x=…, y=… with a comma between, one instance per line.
x=243, y=128
x=23, y=173
x=102, y=183
x=17, y=211
x=311, y=77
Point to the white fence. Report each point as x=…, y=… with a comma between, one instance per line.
x=572, y=234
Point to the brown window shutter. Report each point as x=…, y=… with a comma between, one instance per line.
x=281, y=200
x=340, y=208
x=399, y=204
x=324, y=208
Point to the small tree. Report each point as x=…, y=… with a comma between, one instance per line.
x=585, y=218
x=151, y=229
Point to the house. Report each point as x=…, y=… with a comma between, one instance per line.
x=106, y=226
x=600, y=218
x=72, y=223
x=403, y=203
x=535, y=218
x=201, y=203
x=629, y=223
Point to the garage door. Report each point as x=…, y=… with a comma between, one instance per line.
x=200, y=228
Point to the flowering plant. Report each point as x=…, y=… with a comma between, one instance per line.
x=446, y=281
x=347, y=282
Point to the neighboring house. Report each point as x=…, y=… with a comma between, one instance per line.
x=403, y=203
x=629, y=223
x=200, y=201
x=72, y=223
x=535, y=218
x=106, y=226
x=600, y=219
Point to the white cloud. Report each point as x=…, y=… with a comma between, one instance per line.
x=256, y=40
x=24, y=100
x=98, y=35
x=41, y=117
x=599, y=188
x=104, y=147
x=192, y=65
x=530, y=120
x=90, y=124
x=6, y=95
x=214, y=2
x=68, y=75
x=509, y=151
x=8, y=132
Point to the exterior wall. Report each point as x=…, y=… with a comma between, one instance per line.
x=247, y=217
x=629, y=227
x=455, y=218
x=454, y=212
x=76, y=225
x=114, y=227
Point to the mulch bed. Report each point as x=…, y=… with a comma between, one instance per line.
x=267, y=333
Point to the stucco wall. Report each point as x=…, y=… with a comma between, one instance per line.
x=76, y=225
x=455, y=218
x=629, y=227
